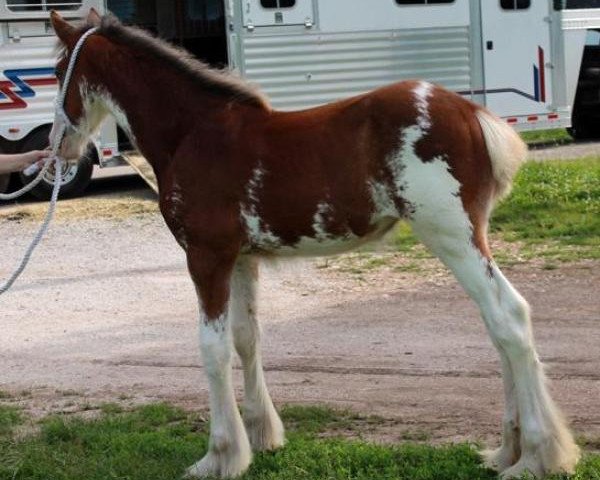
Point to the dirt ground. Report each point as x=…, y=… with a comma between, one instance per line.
x=106, y=312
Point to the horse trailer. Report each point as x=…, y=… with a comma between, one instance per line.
x=523, y=59
x=28, y=87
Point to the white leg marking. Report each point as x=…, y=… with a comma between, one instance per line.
x=263, y=424
x=509, y=452
x=442, y=224
x=229, y=453
x=546, y=444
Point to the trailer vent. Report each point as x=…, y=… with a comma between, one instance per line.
x=42, y=5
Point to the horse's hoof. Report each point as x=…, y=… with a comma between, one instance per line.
x=534, y=464
x=529, y=465
x=499, y=459
x=219, y=465
x=265, y=432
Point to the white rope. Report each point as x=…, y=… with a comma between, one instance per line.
x=62, y=122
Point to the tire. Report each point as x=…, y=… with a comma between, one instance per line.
x=75, y=177
x=584, y=128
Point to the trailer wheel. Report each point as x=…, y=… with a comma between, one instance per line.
x=584, y=129
x=74, y=177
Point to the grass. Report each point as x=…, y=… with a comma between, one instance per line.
x=555, y=135
x=159, y=441
x=554, y=209
x=553, y=212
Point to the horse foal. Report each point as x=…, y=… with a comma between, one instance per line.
x=239, y=180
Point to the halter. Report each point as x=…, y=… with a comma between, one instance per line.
x=60, y=115
x=62, y=122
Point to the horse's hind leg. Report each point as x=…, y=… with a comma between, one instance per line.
x=229, y=452
x=532, y=422
x=263, y=424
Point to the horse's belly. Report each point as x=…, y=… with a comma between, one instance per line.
x=309, y=247
x=322, y=245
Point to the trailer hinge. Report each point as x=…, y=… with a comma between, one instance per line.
x=250, y=26
x=15, y=36
x=548, y=19
x=308, y=23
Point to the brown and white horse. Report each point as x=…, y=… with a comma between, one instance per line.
x=239, y=180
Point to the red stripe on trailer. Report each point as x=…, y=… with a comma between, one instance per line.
x=38, y=82
x=512, y=120
x=532, y=118
x=553, y=116
x=542, y=74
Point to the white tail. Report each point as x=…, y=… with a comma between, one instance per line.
x=506, y=149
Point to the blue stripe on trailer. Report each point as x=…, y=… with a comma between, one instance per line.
x=536, y=83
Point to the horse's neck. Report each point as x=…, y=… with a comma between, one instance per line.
x=155, y=112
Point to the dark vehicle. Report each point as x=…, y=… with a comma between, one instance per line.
x=586, y=110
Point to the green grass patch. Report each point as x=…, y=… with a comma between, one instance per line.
x=158, y=442
x=554, y=135
x=10, y=417
x=557, y=204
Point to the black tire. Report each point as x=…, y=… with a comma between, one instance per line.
x=584, y=128
x=75, y=177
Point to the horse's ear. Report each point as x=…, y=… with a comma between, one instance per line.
x=66, y=32
x=93, y=18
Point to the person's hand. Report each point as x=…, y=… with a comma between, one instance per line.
x=35, y=156
x=18, y=162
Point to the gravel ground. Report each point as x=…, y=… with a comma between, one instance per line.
x=106, y=312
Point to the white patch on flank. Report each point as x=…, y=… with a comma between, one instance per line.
x=440, y=221
x=383, y=202
x=422, y=93
x=259, y=233
x=320, y=221
x=429, y=187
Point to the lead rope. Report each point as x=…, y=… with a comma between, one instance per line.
x=62, y=120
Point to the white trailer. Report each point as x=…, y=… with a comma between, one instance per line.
x=520, y=58
x=28, y=88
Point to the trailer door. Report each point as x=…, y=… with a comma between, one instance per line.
x=516, y=51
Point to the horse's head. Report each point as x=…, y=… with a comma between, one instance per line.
x=82, y=107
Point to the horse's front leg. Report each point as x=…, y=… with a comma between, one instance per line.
x=229, y=452
x=263, y=424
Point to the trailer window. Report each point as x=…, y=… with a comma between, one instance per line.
x=422, y=2
x=42, y=5
x=277, y=3
x=575, y=4
x=515, y=4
